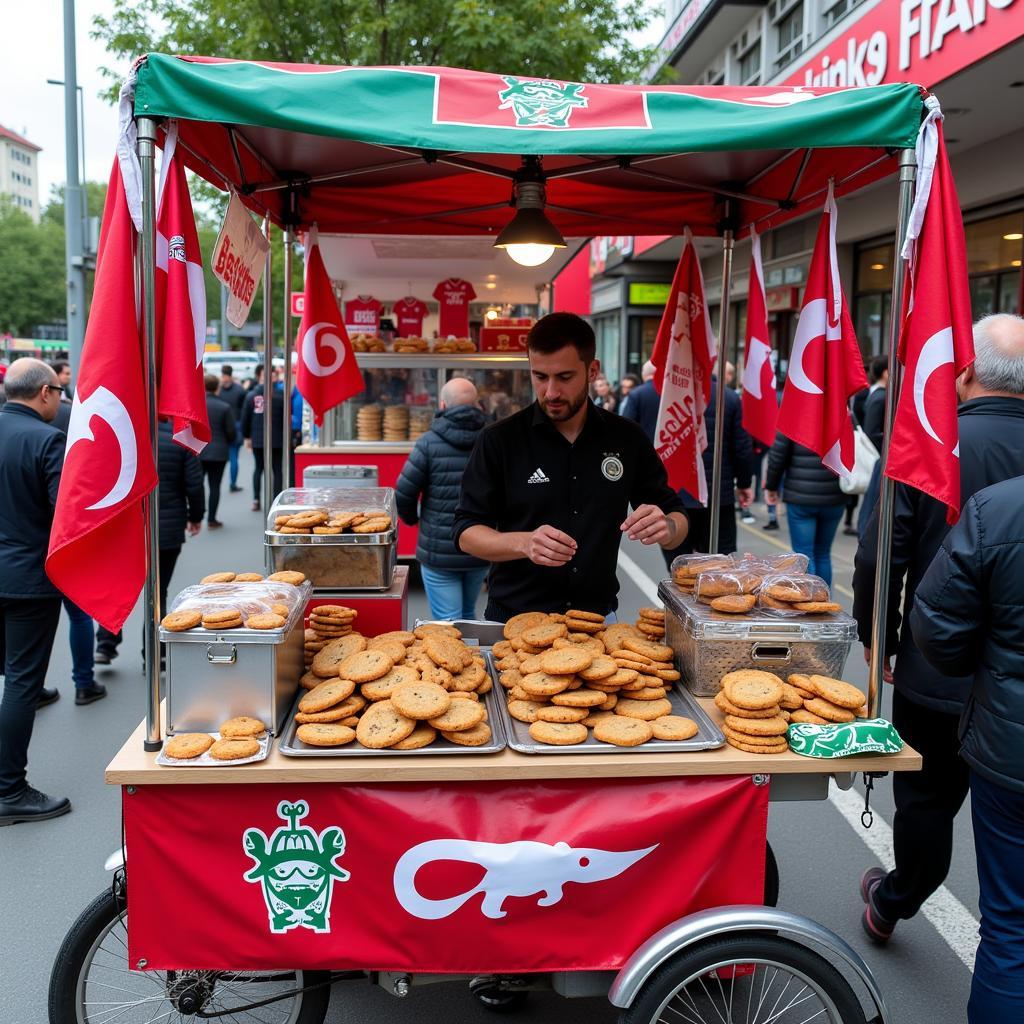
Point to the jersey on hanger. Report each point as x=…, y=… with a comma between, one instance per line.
x=409, y=313
x=454, y=295
x=362, y=314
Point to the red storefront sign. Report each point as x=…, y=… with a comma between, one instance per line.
x=923, y=41
x=781, y=299
x=442, y=878
x=503, y=339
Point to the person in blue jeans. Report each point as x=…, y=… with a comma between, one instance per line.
x=814, y=501
x=82, y=635
x=427, y=493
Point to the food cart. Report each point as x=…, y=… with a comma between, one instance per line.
x=426, y=150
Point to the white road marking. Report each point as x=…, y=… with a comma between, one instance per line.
x=951, y=919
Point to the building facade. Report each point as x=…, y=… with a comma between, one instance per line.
x=19, y=172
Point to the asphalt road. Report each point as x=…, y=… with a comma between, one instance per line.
x=51, y=870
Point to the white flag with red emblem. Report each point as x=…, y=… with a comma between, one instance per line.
x=937, y=342
x=760, y=399
x=327, y=371
x=684, y=356
x=180, y=306
x=825, y=366
x=97, y=552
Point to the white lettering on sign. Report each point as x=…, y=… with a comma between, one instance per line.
x=930, y=21
x=865, y=63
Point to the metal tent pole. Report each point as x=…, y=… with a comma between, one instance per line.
x=268, y=376
x=715, y=497
x=147, y=243
x=286, y=450
x=887, y=497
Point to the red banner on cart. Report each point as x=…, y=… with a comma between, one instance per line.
x=503, y=339
x=449, y=878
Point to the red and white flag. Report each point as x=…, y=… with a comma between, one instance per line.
x=97, y=553
x=825, y=365
x=760, y=399
x=180, y=306
x=684, y=355
x=937, y=342
x=327, y=370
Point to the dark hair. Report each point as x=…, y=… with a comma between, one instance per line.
x=631, y=377
x=211, y=383
x=226, y=370
x=58, y=366
x=879, y=364
x=553, y=332
x=258, y=371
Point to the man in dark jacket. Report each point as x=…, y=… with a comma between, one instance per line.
x=31, y=458
x=252, y=431
x=874, y=406
x=641, y=405
x=926, y=703
x=967, y=618
x=234, y=395
x=428, y=492
x=214, y=456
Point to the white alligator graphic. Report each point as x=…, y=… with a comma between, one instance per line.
x=521, y=868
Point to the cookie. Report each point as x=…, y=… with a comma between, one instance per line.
x=797, y=591
x=331, y=610
x=623, y=732
x=596, y=715
x=758, y=726
x=305, y=520
x=575, y=613
x=287, y=576
x=380, y=525
x=420, y=701
x=525, y=710
x=264, y=621
x=518, y=623
x=818, y=607
x=459, y=715
x=752, y=689
x=754, y=741
x=470, y=678
x=541, y=684
x=281, y=609
x=623, y=677
x=559, y=734
x=326, y=695
x=566, y=661
x=382, y=725
x=651, y=630
x=734, y=604
x=247, y=577
x=364, y=667
x=223, y=624
x=645, y=710
x=648, y=693
x=462, y=695
x=805, y=717
x=725, y=705
x=792, y=698
x=580, y=698
x=309, y=681
x=674, y=727
x=431, y=673
x=218, y=577
x=243, y=725
x=403, y=636
x=425, y=629
x=602, y=667
x=835, y=691
x=234, y=749
x=221, y=615
x=332, y=654
x=825, y=709
x=187, y=745
x=178, y=622
x=544, y=634
x=554, y=713
x=327, y=530
x=325, y=734
x=392, y=648
x=776, y=748
x=584, y=626
x=339, y=713
x=649, y=649
x=610, y=701
x=667, y=675
x=294, y=529
x=422, y=736
x=652, y=614
x=446, y=652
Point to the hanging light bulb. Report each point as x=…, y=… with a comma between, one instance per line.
x=529, y=238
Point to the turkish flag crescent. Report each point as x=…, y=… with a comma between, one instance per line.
x=684, y=355
x=937, y=343
x=760, y=399
x=327, y=371
x=825, y=367
x=180, y=306
x=97, y=554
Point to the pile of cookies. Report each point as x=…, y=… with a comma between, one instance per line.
x=327, y=522
x=758, y=707
x=367, y=343
x=327, y=622
x=410, y=344
x=455, y=345
x=369, y=422
x=397, y=691
x=420, y=419
x=651, y=622
x=232, y=610
x=239, y=738
x=568, y=674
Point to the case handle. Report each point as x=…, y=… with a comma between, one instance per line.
x=773, y=652
x=228, y=657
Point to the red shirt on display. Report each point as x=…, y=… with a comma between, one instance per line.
x=362, y=314
x=409, y=313
x=455, y=296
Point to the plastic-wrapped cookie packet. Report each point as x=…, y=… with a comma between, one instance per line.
x=732, y=591
x=790, y=594
x=686, y=568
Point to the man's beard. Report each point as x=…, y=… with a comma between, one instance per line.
x=567, y=410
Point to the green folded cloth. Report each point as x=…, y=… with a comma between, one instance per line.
x=865, y=736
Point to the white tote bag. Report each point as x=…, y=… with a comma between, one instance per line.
x=865, y=455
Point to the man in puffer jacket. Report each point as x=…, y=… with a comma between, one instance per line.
x=428, y=491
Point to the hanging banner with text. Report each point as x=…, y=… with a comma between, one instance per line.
x=464, y=878
x=239, y=259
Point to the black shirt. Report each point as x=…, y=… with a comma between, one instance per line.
x=523, y=474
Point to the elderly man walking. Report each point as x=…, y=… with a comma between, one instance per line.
x=428, y=492
x=31, y=458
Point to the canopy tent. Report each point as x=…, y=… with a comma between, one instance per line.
x=437, y=152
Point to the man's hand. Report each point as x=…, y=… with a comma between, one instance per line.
x=771, y=497
x=886, y=665
x=193, y=529
x=746, y=496
x=548, y=546
x=648, y=524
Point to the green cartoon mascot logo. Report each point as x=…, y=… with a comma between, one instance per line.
x=543, y=104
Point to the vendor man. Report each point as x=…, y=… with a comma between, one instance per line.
x=546, y=494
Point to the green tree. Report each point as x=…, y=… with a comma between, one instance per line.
x=31, y=270
x=580, y=40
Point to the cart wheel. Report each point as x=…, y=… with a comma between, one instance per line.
x=771, y=877
x=746, y=979
x=92, y=983
x=492, y=996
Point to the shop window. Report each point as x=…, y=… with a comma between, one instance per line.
x=835, y=13
x=792, y=238
x=789, y=35
x=749, y=65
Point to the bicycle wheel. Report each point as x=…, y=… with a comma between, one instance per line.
x=746, y=979
x=92, y=983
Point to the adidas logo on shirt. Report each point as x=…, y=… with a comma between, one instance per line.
x=538, y=477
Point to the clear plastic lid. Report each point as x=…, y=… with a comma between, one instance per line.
x=335, y=505
x=247, y=598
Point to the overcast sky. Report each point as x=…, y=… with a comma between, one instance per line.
x=32, y=50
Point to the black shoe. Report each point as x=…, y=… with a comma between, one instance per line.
x=214, y=524
x=878, y=928
x=772, y=524
x=90, y=694
x=47, y=696
x=255, y=506
x=850, y=531
x=32, y=805
x=103, y=658
x=234, y=490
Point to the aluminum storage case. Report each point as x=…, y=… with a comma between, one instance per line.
x=342, y=561
x=708, y=643
x=213, y=676
x=340, y=476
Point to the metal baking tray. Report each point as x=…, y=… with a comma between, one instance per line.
x=205, y=761
x=708, y=736
x=291, y=746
